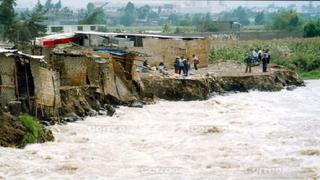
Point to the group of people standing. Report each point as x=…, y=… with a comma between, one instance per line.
x=182, y=65
x=257, y=56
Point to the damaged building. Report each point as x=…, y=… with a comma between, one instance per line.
x=110, y=73
x=27, y=83
x=155, y=48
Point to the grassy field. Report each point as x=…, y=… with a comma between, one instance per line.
x=301, y=55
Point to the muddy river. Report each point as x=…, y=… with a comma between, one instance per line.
x=256, y=135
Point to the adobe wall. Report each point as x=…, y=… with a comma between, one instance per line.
x=47, y=84
x=7, y=79
x=72, y=69
x=167, y=50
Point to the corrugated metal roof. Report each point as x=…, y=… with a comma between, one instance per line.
x=9, y=52
x=2, y=51
x=138, y=35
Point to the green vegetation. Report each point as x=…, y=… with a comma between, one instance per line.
x=240, y=14
x=285, y=21
x=301, y=55
x=259, y=19
x=130, y=15
x=34, y=130
x=312, y=28
x=21, y=29
x=311, y=75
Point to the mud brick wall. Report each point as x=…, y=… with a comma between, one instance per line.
x=72, y=69
x=76, y=70
x=93, y=71
x=167, y=50
x=46, y=85
x=7, y=79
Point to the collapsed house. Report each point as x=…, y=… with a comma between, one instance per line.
x=25, y=80
x=82, y=69
x=71, y=79
x=155, y=48
x=111, y=73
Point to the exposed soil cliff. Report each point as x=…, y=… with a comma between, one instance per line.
x=12, y=131
x=199, y=85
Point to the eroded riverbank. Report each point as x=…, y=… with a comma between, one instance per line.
x=258, y=135
x=218, y=78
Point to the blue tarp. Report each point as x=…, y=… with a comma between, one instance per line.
x=113, y=52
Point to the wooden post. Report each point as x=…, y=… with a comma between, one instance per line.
x=16, y=79
x=27, y=81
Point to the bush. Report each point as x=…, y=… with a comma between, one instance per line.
x=312, y=29
x=311, y=75
x=34, y=130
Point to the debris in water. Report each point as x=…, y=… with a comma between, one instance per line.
x=311, y=152
x=212, y=130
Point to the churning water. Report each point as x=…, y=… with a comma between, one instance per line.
x=258, y=135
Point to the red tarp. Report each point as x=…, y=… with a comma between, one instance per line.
x=58, y=41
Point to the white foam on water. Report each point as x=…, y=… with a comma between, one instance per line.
x=257, y=135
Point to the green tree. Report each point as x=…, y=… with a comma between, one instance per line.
x=208, y=17
x=312, y=28
x=207, y=26
x=143, y=12
x=30, y=26
x=196, y=19
x=166, y=28
x=178, y=31
x=49, y=4
x=97, y=17
x=90, y=8
x=94, y=15
x=35, y=22
x=174, y=19
x=242, y=15
x=187, y=20
x=58, y=5
x=259, y=19
x=7, y=17
x=130, y=15
x=286, y=20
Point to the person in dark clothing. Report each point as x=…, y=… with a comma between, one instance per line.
x=269, y=56
x=181, y=65
x=145, y=65
x=260, y=55
x=176, y=65
x=265, y=61
x=186, y=67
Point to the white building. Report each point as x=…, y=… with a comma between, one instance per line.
x=52, y=29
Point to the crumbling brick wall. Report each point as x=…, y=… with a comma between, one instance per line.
x=46, y=85
x=7, y=79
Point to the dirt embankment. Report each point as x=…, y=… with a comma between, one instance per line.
x=12, y=131
x=220, y=77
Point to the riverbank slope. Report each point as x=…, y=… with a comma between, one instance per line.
x=219, y=77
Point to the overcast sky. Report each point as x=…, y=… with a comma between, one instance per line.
x=82, y=3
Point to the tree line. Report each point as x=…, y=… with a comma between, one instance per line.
x=21, y=28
